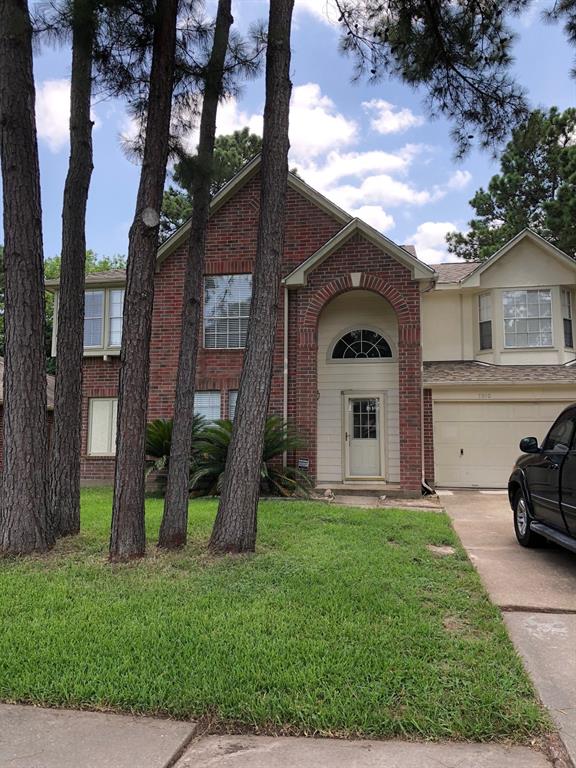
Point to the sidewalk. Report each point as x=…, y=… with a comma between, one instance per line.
x=32, y=737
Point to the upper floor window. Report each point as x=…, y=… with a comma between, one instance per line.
x=528, y=318
x=485, y=320
x=115, y=309
x=93, y=318
x=567, y=318
x=103, y=310
x=359, y=344
x=226, y=310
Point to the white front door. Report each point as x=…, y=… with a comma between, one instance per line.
x=363, y=437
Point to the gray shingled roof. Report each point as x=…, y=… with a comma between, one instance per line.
x=49, y=386
x=474, y=372
x=109, y=276
x=453, y=272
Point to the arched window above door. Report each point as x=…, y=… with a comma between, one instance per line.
x=361, y=343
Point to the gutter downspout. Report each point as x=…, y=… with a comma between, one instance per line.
x=285, y=372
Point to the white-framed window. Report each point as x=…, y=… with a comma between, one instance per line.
x=485, y=320
x=207, y=404
x=93, y=318
x=226, y=310
x=567, y=318
x=527, y=318
x=102, y=414
x=115, y=312
x=232, y=398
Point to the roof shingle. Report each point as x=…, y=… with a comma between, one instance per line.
x=475, y=372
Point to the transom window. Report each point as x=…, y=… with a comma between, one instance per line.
x=528, y=318
x=226, y=310
x=567, y=319
x=361, y=343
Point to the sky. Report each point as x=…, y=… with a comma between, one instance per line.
x=372, y=149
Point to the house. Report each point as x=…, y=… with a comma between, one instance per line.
x=49, y=407
x=392, y=370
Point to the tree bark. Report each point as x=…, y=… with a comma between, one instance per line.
x=235, y=526
x=24, y=513
x=65, y=456
x=175, y=519
x=127, y=538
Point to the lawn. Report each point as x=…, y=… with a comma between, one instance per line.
x=343, y=623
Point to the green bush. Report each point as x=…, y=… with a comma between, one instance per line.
x=212, y=449
x=159, y=440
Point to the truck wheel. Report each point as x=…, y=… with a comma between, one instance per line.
x=525, y=536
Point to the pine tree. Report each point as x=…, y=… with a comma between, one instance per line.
x=235, y=526
x=175, y=518
x=535, y=188
x=24, y=524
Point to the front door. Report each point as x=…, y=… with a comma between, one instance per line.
x=362, y=438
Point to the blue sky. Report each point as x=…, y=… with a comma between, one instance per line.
x=371, y=149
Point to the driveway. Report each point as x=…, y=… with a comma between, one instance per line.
x=536, y=589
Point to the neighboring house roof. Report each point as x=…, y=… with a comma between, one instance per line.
x=473, y=372
x=454, y=272
x=419, y=270
x=110, y=276
x=49, y=387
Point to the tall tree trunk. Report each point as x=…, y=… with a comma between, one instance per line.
x=235, y=526
x=127, y=538
x=24, y=513
x=175, y=519
x=65, y=456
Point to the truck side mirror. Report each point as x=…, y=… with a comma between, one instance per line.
x=529, y=445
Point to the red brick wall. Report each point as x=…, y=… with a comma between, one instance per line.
x=387, y=277
x=231, y=248
x=428, y=437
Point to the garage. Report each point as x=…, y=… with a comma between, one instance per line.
x=476, y=440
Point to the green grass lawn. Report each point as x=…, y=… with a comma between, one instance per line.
x=343, y=623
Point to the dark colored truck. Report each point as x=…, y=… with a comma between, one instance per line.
x=542, y=487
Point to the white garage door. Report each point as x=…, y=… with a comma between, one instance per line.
x=476, y=443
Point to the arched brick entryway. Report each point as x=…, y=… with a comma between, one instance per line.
x=402, y=292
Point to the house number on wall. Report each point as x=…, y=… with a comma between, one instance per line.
x=485, y=396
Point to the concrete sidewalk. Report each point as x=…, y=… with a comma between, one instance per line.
x=536, y=588
x=32, y=737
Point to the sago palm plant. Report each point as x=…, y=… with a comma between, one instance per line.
x=212, y=449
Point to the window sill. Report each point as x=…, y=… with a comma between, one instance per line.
x=101, y=352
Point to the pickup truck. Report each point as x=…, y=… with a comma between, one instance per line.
x=542, y=487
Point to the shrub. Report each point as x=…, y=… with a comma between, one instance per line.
x=159, y=440
x=212, y=449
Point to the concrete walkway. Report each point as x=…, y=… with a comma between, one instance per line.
x=536, y=588
x=31, y=737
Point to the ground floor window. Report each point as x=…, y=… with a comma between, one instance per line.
x=232, y=397
x=102, y=415
x=207, y=404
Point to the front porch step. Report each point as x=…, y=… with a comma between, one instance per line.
x=375, y=489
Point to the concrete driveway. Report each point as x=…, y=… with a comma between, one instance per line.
x=536, y=589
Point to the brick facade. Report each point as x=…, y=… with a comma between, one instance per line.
x=231, y=248
x=428, y=437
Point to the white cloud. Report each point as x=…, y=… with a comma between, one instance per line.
x=430, y=241
x=375, y=216
x=389, y=118
x=381, y=189
x=322, y=10
x=459, y=180
x=315, y=124
x=53, y=113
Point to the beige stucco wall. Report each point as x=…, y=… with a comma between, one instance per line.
x=355, y=309
x=450, y=314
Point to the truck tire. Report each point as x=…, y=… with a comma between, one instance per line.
x=522, y=517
